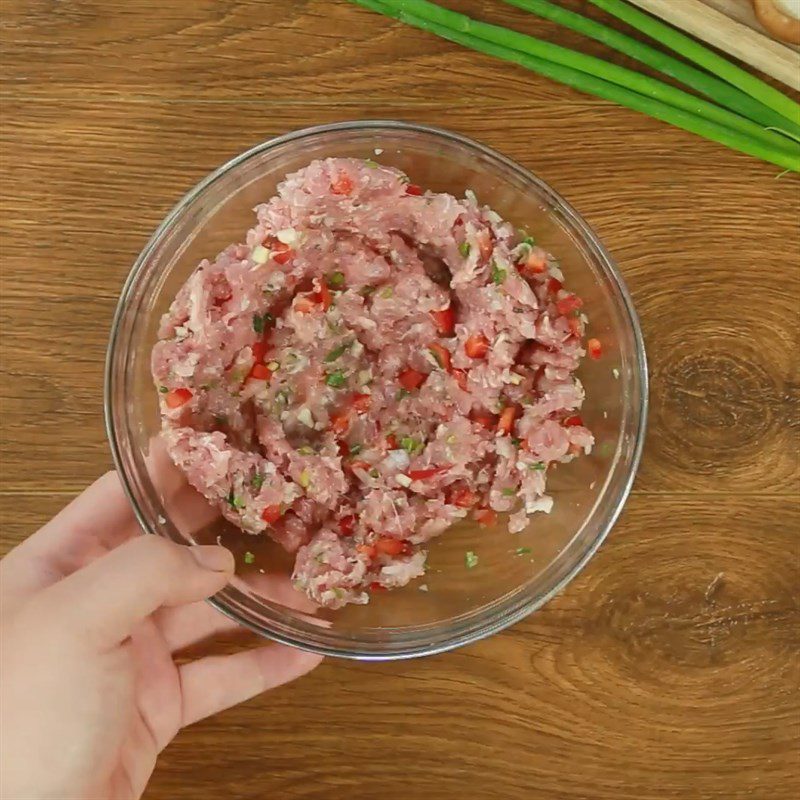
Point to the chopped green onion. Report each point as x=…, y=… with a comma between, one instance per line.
x=336, y=280
x=305, y=450
x=401, y=393
x=368, y=162
x=355, y=449
x=336, y=379
x=464, y=249
x=522, y=551
x=374, y=473
x=305, y=479
x=509, y=492
x=163, y=389
x=498, y=274
x=412, y=445
x=260, y=321
x=257, y=481
x=539, y=466
x=249, y=558
x=529, y=240
x=387, y=292
x=337, y=352
x=470, y=559
x=515, y=441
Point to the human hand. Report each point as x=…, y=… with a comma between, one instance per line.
x=91, y=614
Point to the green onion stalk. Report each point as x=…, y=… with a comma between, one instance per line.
x=705, y=57
x=407, y=11
x=722, y=92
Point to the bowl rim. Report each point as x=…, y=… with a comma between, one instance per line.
x=500, y=621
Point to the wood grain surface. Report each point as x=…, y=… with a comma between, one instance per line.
x=669, y=668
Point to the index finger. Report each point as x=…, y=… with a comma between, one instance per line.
x=96, y=521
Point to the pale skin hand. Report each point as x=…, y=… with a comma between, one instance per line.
x=91, y=614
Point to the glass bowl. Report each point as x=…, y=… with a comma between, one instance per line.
x=452, y=604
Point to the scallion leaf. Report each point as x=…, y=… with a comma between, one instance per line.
x=336, y=379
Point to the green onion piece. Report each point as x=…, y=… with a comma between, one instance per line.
x=509, y=492
x=498, y=274
x=163, y=389
x=523, y=551
x=355, y=449
x=470, y=559
x=305, y=479
x=539, y=466
x=515, y=441
x=337, y=352
x=257, y=481
x=305, y=450
x=336, y=280
x=249, y=558
x=529, y=240
x=401, y=393
x=387, y=292
x=634, y=95
x=702, y=55
x=718, y=90
x=411, y=445
x=374, y=473
x=464, y=249
x=336, y=379
x=368, y=162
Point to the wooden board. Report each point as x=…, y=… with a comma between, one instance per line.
x=668, y=669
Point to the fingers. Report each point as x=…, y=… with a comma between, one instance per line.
x=190, y=624
x=105, y=600
x=212, y=684
x=96, y=521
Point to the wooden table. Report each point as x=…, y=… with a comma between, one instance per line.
x=669, y=668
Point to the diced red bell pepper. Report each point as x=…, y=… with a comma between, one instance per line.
x=507, y=416
x=177, y=397
x=462, y=497
x=535, y=264
x=554, y=285
x=260, y=372
x=281, y=253
x=485, y=516
x=414, y=190
x=347, y=525
x=390, y=547
x=323, y=296
x=484, y=418
x=304, y=304
x=411, y=379
x=485, y=244
x=461, y=378
x=377, y=587
x=342, y=184
x=566, y=305
x=271, y=514
x=360, y=465
x=477, y=346
x=259, y=349
x=361, y=403
x=442, y=355
x=428, y=472
x=340, y=423
x=594, y=348
x=445, y=321
x=391, y=442
x=573, y=422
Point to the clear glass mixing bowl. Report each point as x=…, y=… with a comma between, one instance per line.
x=516, y=573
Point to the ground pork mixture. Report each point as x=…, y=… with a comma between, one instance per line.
x=372, y=364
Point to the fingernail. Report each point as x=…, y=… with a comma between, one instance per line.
x=214, y=558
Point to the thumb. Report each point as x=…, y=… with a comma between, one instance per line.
x=104, y=600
